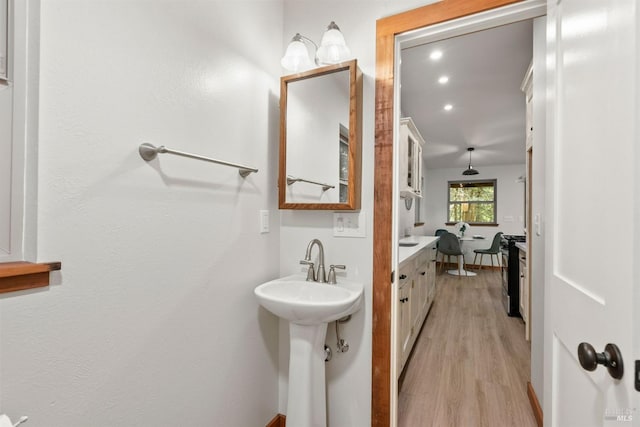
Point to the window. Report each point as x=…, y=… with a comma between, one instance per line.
x=473, y=202
x=19, y=23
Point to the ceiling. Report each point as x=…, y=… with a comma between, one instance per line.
x=485, y=71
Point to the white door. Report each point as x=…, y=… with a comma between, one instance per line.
x=593, y=209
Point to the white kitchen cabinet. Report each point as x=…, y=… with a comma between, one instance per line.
x=422, y=279
x=525, y=302
x=404, y=310
x=411, y=143
x=431, y=275
x=527, y=88
x=416, y=292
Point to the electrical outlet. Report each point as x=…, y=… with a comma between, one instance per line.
x=349, y=224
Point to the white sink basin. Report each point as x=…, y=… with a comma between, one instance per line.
x=309, y=303
x=409, y=241
x=309, y=307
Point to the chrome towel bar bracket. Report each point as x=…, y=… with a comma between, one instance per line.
x=325, y=187
x=149, y=152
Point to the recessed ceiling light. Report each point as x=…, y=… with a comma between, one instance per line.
x=435, y=55
x=448, y=107
x=443, y=80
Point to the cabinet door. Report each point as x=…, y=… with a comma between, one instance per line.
x=431, y=274
x=415, y=304
x=423, y=288
x=405, y=301
x=417, y=175
x=411, y=163
x=524, y=300
x=521, y=293
x=406, y=160
x=405, y=323
x=410, y=168
x=431, y=281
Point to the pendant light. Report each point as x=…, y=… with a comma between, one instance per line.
x=470, y=170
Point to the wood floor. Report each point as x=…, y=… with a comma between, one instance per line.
x=470, y=364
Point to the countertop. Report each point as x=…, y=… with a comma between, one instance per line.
x=522, y=246
x=406, y=252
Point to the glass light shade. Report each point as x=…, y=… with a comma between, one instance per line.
x=296, y=58
x=333, y=48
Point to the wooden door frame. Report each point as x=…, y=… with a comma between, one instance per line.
x=386, y=31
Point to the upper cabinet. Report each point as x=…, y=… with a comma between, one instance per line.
x=411, y=143
x=321, y=138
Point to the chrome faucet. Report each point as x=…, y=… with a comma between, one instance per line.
x=319, y=274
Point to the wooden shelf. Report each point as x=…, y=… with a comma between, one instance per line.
x=21, y=275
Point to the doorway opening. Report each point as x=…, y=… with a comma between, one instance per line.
x=433, y=22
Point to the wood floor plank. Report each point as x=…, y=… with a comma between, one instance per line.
x=471, y=363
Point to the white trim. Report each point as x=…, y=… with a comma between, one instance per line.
x=395, y=238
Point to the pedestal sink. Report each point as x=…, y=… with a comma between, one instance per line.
x=309, y=307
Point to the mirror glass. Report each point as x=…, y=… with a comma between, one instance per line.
x=320, y=139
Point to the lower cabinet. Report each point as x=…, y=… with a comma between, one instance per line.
x=431, y=274
x=524, y=294
x=416, y=292
x=405, y=295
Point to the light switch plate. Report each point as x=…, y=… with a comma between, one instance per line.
x=349, y=224
x=537, y=222
x=264, y=221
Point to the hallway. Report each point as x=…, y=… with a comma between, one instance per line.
x=467, y=323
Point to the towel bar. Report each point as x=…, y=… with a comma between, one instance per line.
x=149, y=152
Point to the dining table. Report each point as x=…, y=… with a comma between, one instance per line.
x=461, y=271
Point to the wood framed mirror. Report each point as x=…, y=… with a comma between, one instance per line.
x=321, y=138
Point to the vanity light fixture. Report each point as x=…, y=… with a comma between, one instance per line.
x=470, y=170
x=332, y=50
x=296, y=58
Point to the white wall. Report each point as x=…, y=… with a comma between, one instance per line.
x=348, y=374
x=510, y=201
x=152, y=320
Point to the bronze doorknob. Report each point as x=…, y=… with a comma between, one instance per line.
x=610, y=357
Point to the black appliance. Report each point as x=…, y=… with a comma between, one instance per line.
x=511, y=273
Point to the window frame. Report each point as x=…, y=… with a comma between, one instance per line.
x=23, y=57
x=477, y=181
